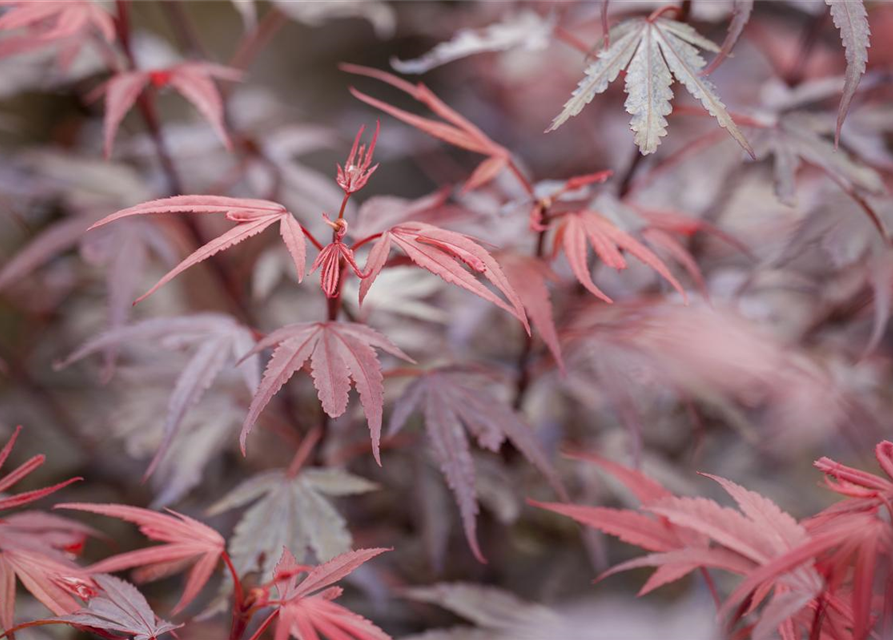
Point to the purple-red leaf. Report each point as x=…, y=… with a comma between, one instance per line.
x=187, y=542
x=339, y=353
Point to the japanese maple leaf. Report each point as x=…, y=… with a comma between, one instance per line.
x=456, y=129
x=34, y=556
x=17, y=475
x=443, y=253
x=306, y=608
x=119, y=608
x=742, y=542
x=193, y=80
x=123, y=250
x=576, y=229
x=68, y=22
x=851, y=19
x=856, y=531
x=44, y=533
x=867, y=488
x=657, y=535
x=218, y=342
x=290, y=510
x=339, y=353
x=252, y=217
x=796, y=138
x=187, y=542
x=653, y=51
x=452, y=402
x=53, y=582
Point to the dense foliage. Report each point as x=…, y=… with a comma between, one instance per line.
x=311, y=344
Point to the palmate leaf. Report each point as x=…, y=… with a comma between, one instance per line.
x=578, y=229
x=218, y=343
x=187, y=542
x=744, y=542
x=53, y=582
x=796, y=138
x=20, y=473
x=653, y=52
x=308, y=611
x=524, y=30
x=123, y=251
x=251, y=215
x=193, y=80
x=455, y=128
x=292, y=512
x=443, y=253
x=120, y=608
x=340, y=353
x=451, y=402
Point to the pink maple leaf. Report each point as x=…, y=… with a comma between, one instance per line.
x=578, y=228
x=47, y=22
x=456, y=129
x=443, y=253
x=307, y=610
x=18, y=474
x=452, y=402
x=192, y=80
x=187, y=542
x=339, y=352
x=252, y=217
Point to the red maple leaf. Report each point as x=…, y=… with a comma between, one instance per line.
x=456, y=129
x=252, y=217
x=193, y=80
x=339, y=352
x=187, y=542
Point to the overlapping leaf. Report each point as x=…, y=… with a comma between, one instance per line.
x=577, y=229
x=744, y=542
x=289, y=511
x=451, y=403
x=443, y=253
x=340, y=353
x=218, y=342
x=187, y=542
x=308, y=610
x=456, y=129
x=653, y=52
x=120, y=608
